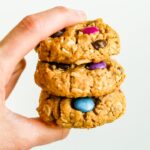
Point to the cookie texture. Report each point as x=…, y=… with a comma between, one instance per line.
x=76, y=45
x=58, y=109
x=74, y=81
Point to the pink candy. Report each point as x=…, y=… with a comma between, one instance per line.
x=90, y=30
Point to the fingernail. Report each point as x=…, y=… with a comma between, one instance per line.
x=81, y=14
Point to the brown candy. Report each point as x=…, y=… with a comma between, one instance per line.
x=99, y=44
x=61, y=66
x=58, y=34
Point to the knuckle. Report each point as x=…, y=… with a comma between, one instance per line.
x=23, y=63
x=20, y=66
x=62, y=9
x=30, y=23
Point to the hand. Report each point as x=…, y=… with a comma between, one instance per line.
x=18, y=132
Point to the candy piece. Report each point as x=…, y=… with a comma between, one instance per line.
x=99, y=44
x=93, y=66
x=90, y=30
x=84, y=104
x=63, y=66
x=58, y=34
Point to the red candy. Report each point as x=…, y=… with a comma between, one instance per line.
x=90, y=30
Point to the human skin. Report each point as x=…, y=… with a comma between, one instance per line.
x=16, y=131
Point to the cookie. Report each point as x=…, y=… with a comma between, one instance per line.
x=74, y=81
x=90, y=41
x=61, y=110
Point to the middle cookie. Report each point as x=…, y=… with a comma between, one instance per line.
x=74, y=81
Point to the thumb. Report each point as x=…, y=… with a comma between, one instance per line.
x=30, y=132
x=48, y=134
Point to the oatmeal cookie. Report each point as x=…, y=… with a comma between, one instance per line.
x=61, y=110
x=90, y=41
x=74, y=81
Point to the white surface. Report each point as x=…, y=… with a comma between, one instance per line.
x=131, y=18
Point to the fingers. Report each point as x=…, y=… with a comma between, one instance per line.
x=30, y=132
x=31, y=30
x=14, y=78
x=48, y=134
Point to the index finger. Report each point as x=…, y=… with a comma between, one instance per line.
x=31, y=30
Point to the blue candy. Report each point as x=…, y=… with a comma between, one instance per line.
x=85, y=104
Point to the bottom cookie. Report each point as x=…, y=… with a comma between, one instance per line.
x=61, y=110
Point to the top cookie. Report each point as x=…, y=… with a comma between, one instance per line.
x=90, y=41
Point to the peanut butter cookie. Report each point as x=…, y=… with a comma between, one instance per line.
x=90, y=41
x=72, y=81
x=65, y=113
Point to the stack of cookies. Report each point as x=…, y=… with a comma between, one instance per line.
x=80, y=82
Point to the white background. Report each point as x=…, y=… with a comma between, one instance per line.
x=131, y=18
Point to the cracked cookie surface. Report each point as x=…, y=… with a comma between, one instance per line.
x=107, y=109
x=73, y=46
x=77, y=80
